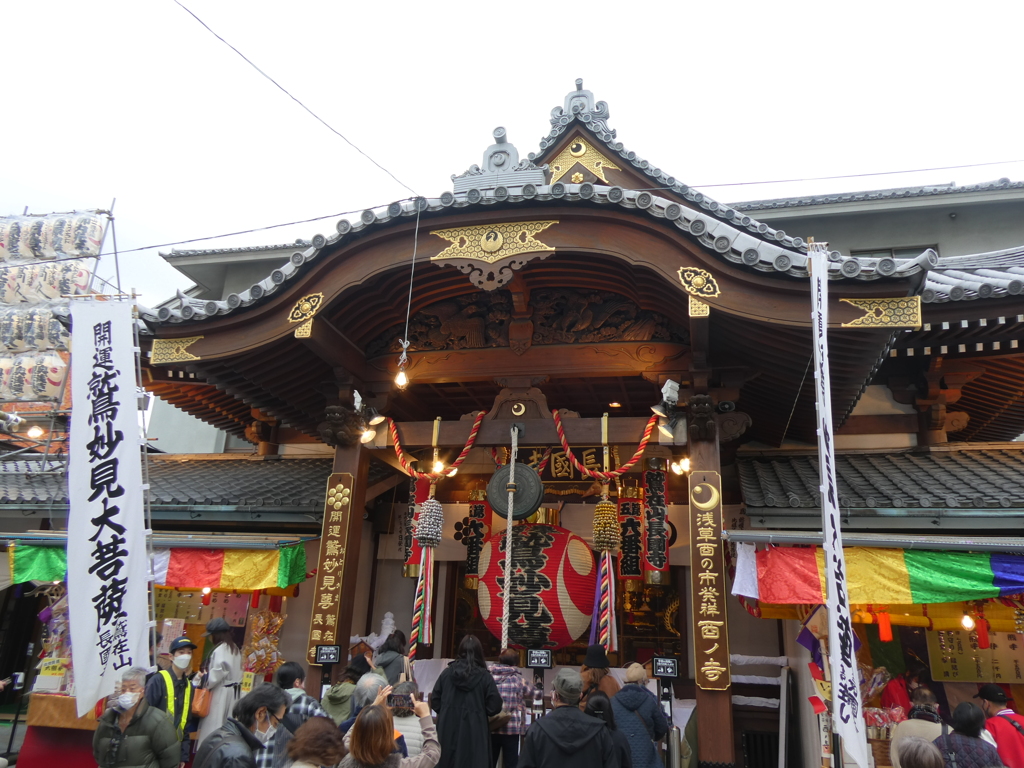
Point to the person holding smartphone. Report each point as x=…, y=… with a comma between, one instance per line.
x=402, y=702
x=373, y=740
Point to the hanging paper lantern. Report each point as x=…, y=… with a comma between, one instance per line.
x=552, y=592
x=607, y=536
x=47, y=375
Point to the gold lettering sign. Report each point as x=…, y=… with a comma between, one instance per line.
x=711, y=639
x=331, y=570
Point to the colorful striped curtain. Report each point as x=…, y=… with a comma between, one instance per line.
x=238, y=569
x=788, y=575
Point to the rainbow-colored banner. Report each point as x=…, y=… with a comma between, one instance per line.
x=238, y=569
x=880, y=576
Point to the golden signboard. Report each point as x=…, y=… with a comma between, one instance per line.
x=707, y=562
x=955, y=657
x=323, y=625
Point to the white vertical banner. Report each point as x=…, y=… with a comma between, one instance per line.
x=847, y=711
x=107, y=561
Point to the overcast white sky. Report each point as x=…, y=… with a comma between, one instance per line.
x=134, y=100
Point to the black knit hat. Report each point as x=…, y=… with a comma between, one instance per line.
x=596, y=657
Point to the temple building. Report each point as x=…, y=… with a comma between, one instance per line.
x=634, y=343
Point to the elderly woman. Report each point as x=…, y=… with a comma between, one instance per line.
x=132, y=733
x=964, y=748
x=638, y=714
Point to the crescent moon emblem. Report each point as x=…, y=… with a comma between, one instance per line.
x=710, y=503
x=518, y=409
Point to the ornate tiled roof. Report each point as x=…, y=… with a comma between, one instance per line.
x=992, y=275
x=897, y=193
x=737, y=237
x=176, y=254
x=954, y=478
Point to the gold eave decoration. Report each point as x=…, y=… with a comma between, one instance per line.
x=698, y=282
x=492, y=242
x=582, y=152
x=897, y=312
x=303, y=312
x=698, y=308
x=173, y=350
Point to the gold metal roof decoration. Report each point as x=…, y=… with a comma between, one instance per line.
x=303, y=312
x=698, y=308
x=492, y=242
x=173, y=350
x=581, y=151
x=698, y=282
x=895, y=312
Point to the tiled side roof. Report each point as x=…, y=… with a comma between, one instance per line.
x=175, y=481
x=965, y=479
x=977, y=276
x=876, y=194
x=175, y=253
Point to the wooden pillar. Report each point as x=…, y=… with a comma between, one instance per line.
x=355, y=461
x=714, y=708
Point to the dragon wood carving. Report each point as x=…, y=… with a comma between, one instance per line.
x=559, y=316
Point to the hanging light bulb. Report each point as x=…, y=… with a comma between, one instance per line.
x=401, y=380
x=35, y=431
x=367, y=435
x=438, y=467
x=684, y=463
x=967, y=622
x=206, y=590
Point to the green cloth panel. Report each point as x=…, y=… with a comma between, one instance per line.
x=291, y=565
x=948, y=577
x=888, y=655
x=38, y=564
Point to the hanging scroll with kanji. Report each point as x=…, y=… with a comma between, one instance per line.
x=656, y=534
x=631, y=526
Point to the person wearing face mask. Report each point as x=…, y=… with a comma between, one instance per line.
x=131, y=733
x=253, y=724
x=171, y=691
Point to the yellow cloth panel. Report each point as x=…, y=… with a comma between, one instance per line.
x=249, y=569
x=877, y=576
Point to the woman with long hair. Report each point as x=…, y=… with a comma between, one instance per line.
x=464, y=696
x=337, y=702
x=392, y=659
x=224, y=676
x=600, y=706
x=373, y=740
x=964, y=747
x=316, y=742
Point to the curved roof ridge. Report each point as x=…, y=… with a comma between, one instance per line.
x=744, y=242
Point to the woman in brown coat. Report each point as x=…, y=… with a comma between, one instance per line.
x=595, y=674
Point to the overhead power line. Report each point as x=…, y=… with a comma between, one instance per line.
x=296, y=100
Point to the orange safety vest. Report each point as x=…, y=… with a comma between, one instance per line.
x=185, y=710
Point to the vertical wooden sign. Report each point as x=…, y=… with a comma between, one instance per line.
x=707, y=562
x=323, y=625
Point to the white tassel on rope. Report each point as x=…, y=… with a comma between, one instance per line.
x=508, y=536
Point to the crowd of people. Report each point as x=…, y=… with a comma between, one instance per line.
x=376, y=717
x=984, y=735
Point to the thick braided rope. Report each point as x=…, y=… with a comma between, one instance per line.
x=404, y=461
x=595, y=474
x=417, y=611
x=508, y=537
x=605, y=602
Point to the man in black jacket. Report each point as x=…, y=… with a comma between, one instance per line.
x=565, y=737
x=176, y=680
x=255, y=719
